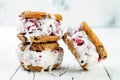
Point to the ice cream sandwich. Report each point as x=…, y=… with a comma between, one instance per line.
x=85, y=46
x=35, y=26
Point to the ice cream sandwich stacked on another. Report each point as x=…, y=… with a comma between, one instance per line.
x=85, y=46
x=39, y=33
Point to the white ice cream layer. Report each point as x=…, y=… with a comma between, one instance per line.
x=43, y=59
x=40, y=27
x=85, y=48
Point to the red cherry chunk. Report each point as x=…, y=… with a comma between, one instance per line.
x=99, y=59
x=79, y=42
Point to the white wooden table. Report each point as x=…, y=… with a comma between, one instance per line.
x=69, y=70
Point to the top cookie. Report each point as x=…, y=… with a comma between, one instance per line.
x=36, y=14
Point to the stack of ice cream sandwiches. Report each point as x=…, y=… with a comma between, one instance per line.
x=39, y=33
x=39, y=50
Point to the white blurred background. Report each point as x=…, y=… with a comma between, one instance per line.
x=98, y=13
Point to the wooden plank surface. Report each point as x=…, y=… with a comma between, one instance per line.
x=8, y=63
x=8, y=59
x=69, y=70
x=22, y=74
x=111, y=37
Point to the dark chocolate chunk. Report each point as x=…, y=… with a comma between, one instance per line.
x=82, y=61
x=35, y=38
x=51, y=25
x=26, y=43
x=30, y=32
x=22, y=33
x=40, y=56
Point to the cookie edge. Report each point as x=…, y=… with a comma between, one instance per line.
x=37, y=14
x=95, y=40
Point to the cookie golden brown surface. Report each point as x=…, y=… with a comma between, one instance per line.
x=44, y=39
x=36, y=14
x=38, y=39
x=41, y=47
x=38, y=68
x=92, y=36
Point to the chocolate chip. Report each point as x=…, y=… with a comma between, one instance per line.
x=51, y=25
x=35, y=38
x=40, y=29
x=30, y=32
x=80, y=29
x=38, y=51
x=22, y=33
x=82, y=61
x=40, y=56
x=52, y=34
x=57, y=20
x=26, y=43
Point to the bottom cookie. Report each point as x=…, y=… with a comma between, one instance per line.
x=39, y=68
